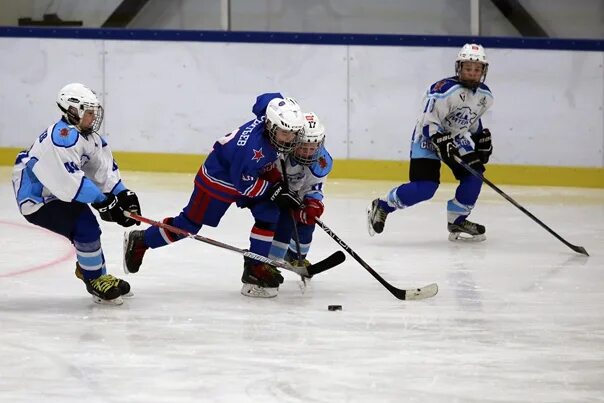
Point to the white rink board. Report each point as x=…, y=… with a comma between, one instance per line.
x=181, y=96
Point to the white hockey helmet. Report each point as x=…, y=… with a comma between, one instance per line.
x=472, y=52
x=74, y=99
x=311, y=140
x=285, y=115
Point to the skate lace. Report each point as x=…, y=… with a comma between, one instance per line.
x=114, y=280
x=104, y=282
x=470, y=226
x=380, y=214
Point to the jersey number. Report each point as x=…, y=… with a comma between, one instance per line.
x=71, y=167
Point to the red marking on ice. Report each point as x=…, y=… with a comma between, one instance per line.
x=66, y=256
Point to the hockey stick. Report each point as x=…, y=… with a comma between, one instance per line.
x=411, y=294
x=578, y=249
x=325, y=264
x=291, y=214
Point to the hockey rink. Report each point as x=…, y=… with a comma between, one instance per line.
x=518, y=318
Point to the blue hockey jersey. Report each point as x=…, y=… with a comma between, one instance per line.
x=234, y=167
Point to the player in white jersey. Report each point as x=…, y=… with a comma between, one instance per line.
x=449, y=125
x=67, y=167
x=307, y=168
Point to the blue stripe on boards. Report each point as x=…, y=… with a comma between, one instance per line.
x=303, y=38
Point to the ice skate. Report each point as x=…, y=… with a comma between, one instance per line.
x=292, y=259
x=104, y=289
x=260, y=280
x=134, y=250
x=123, y=285
x=376, y=217
x=466, y=231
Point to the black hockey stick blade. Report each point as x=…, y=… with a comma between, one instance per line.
x=576, y=248
x=330, y=261
x=411, y=294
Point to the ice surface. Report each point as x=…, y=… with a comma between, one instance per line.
x=519, y=318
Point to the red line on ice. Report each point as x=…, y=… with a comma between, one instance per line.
x=69, y=255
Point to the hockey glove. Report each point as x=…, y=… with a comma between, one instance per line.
x=272, y=175
x=283, y=197
x=446, y=148
x=128, y=201
x=483, y=145
x=312, y=209
x=110, y=210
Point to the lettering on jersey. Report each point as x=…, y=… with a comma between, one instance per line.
x=64, y=132
x=43, y=136
x=258, y=155
x=427, y=145
x=71, y=167
x=322, y=162
x=245, y=134
x=461, y=118
x=247, y=178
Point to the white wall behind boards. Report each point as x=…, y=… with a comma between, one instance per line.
x=181, y=96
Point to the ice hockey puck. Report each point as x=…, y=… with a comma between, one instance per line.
x=334, y=307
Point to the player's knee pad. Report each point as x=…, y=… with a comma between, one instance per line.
x=265, y=225
x=86, y=228
x=305, y=232
x=468, y=190
x=424, y=169
x=267, y=212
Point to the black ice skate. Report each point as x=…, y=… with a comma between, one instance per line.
x=376, y=217
x=104, y=289
x=123, y=285
x=134, y=250
x=260, y=280
x=466, y=231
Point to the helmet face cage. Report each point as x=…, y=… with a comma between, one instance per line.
x=472, y=52
x=283, y=115
x=307, y=159
x=281, y=146
x=74, y=100
x=313, y=135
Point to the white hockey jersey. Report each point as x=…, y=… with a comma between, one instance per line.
x=450, y=107
x=66, y=165
x=308, y=180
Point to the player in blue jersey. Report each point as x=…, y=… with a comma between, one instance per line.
x=241, y=168
x=68, y=167
x=449, y=125
x=307, y=168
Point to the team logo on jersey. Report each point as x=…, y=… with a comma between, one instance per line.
x=258, y=155
x=461, y=118
x=463, y=97
x=64, y=132
x=322, y=162
x=482, y=102
x=439, y=85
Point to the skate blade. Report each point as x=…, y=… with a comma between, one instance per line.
x=254, y=291
x=124, y=252
x=369, y=226
x=129, y=295
x=100, y=301
x=463, y=237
